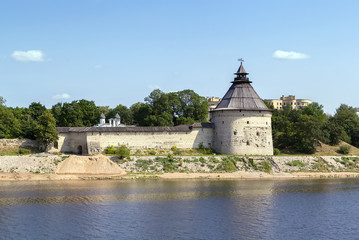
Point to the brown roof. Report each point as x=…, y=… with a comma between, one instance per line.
x=179, y=128
x=241, y=95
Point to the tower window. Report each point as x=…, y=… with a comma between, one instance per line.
x=235, y=132
x=248, y=143
x=247, y=122
x=257, y=133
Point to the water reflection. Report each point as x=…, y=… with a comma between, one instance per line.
x=182, y=209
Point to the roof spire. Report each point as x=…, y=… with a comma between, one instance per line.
x=241, y=74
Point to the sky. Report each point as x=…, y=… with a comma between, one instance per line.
x=116, y=52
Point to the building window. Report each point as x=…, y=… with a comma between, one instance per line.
x=247, y=143
x=247, y=122
x=257, y=133
x=222, y=122
x=235, y=132
x=56, y=145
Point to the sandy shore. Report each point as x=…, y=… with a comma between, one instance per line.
x=236, y=175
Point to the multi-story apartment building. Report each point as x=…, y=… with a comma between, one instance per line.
x=213, y=102
x=288, y=101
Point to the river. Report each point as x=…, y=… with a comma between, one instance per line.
x=180, y=209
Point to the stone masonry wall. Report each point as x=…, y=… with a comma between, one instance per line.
x=243, y=132
x=18, y=143
x=98, y=141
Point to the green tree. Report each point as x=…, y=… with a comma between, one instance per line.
x=46, y=130
x=79, y=113
x=123, y=111
x=141, y=112
x=36, y=109
x=346, y=118
x=299, y=130
x=9, y=124
x=168, y=109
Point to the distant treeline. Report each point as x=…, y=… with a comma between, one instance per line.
x=301, y=130
x=293, y=130
x=158, y=109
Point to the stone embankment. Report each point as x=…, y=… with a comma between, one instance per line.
x=207, y=164
x=55, y=167
x=59, y=164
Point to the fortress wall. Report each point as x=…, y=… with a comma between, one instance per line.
x=98, y=141
x=16, y=142
x=71, y=142
x=243, y=132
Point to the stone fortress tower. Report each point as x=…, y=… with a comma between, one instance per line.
x=242, y=122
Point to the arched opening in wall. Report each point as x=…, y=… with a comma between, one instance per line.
x=79, y=150
x=56, y=145
x=247, y=143
x=258, y=134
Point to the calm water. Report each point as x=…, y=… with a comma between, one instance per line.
x=188, y=209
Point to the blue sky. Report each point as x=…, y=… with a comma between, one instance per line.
x=116, y=52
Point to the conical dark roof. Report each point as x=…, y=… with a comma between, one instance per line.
x=241, y=95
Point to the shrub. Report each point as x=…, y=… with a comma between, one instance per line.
x=213, y=160
x=276, y=151
x=227, y=165
x=252, y=164
x=296, y=163
x=266, y=166
x=24, y=151
x=320, y=166
x=344, y=149
x=123, y=152
x=174, y=149
x=110, y=150
x=152, y=152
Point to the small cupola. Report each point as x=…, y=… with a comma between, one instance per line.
x=241, y=74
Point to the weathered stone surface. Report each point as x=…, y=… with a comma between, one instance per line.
x=18, y=143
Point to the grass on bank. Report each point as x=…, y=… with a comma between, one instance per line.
x=14, y=151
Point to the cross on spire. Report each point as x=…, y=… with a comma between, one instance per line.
x=241, y=60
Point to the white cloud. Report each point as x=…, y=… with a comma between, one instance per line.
x=28, y=56
x=289, y=55
x=98, y=66
x=61, y=96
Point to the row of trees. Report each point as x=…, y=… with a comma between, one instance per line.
x=302, y=130
x=159, y=109
x=34, y=122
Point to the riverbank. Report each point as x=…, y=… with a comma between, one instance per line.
x=173, y=176
x=73, y=167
